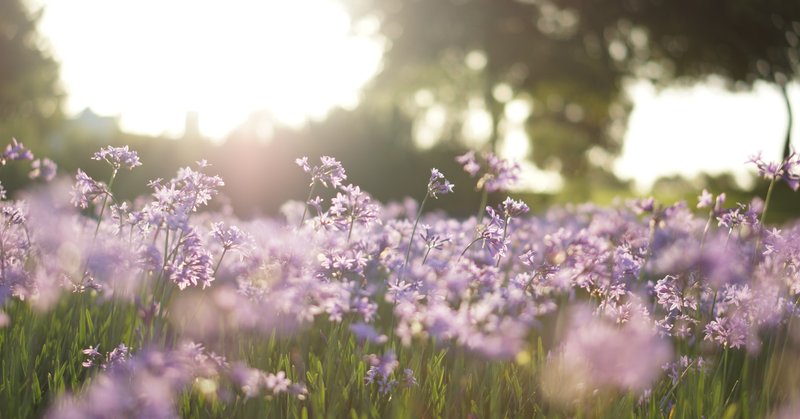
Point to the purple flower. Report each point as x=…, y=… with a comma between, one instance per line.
x=705, y=200
x=437, y=184
x=118, y=157
x=43, y=169
x=380, y=371
x=469, y=162
x=408, y=378
x=86, y=190
x=365, y=332
x=432, y=240
x=501, y=174
x=728, y=332
x=230, y=237
x=330, y=171
x=512, y=209
x=15, y=151
x=183, y=194
x=596, y=353
x=352, y=206
x=786, y=170
x=91, y=352
x=192, y=263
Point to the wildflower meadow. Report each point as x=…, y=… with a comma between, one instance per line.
x=345, y=307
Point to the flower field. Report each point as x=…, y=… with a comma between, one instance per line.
x=345, y=307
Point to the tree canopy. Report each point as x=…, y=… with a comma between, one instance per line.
x=30, y=92
x=570, y=59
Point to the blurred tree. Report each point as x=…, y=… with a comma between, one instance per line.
x=742, y=41
x=481, y=68
x=447, y=61
x=30, y=93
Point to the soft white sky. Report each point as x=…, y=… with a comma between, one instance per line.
x=151, y=61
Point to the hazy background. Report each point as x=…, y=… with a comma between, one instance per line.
x=595, y=99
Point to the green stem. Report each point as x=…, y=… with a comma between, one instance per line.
x=467, y=248
x=482, y=208
x=505, y=231
x=764, y=215
x=105, y=201
x=427, y=252
x=219, y=262
x=653, y=227
x=413, y=231
x=350, y=230
x=707, y=227
x=305, y=204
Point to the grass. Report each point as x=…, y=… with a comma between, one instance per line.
x=41, y=359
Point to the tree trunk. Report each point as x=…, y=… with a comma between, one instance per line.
x=787, y=146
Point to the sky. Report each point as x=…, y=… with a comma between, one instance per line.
x=150, y=62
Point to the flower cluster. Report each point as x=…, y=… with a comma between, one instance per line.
x=649, y=287
x=44, y=169
x=86, y=190
x=330, y=171
x=118, y=157
x=499, y=174
x=787, y=170
x=15, y=151
x=438, y=185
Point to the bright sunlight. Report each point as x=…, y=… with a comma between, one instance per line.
x=151, y=61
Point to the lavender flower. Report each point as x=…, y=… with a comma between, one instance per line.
x=44, y=169
x=597, y=354
x=351, y=207
x=118, y=157
x=500, y=174
x=86, y=190
x=380, y=371
x=431, y=239
x=230, y=237
x=192, y=263
x=330, y=171
x=408, y=378
x=469, y=162
x=437, y=184
x=513, y=209
x=705, y=199
x=15, y=151
x=785, y=170
x=365, y=332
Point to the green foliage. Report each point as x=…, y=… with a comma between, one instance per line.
x=41, y=359
x=30, y=94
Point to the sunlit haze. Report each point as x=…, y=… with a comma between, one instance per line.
x=150, y=62
x=685, y=130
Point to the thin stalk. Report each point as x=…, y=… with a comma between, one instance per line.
x=505, y=231
x=414, y=230
x=3, y=257
x=350, y=230
x=482, y=208
x=305, y=204
x=467, y=248
x=219, y=262
x=707, y=227
x=764, y=215
x=105, y=201
x=427, y=252
x=653, y=227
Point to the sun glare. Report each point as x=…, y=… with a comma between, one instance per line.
x=151, y=62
